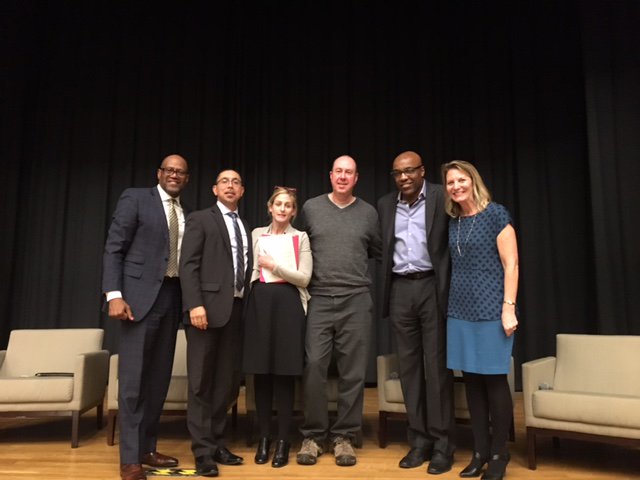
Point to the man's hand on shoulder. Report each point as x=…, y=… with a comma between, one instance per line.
x=198, y=316
x=120, y=310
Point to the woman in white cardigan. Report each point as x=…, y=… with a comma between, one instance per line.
x=275, y=321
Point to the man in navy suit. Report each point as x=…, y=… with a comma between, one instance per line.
x=215, y=268
x=141, y=285
x=416, y=267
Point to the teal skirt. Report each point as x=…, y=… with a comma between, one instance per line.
x=478, y=347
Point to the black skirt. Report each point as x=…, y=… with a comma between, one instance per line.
x=274, y=330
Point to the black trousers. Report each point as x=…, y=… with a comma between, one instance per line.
x=427, y=384
x=213, y=365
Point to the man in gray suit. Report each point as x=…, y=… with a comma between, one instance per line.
x=140, y=282
x=416, y=267
x=215, y=268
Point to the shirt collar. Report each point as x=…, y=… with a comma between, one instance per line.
x=164, y=196
x=423, y=194
x=223, y=208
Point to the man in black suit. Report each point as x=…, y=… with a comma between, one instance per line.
x=140, y=281
x=215, y=267
x=416, y=267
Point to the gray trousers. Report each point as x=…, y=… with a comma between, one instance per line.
x=427, y=384
x=340, y=325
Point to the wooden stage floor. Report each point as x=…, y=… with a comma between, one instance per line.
x=40, y=449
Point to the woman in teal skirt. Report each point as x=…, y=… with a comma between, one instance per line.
x=482, y=312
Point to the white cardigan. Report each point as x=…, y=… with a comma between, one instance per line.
x=300, y=277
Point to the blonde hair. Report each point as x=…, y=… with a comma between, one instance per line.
x=279, y=191
x=481, y=195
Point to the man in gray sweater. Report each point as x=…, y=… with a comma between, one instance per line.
x=344, y=234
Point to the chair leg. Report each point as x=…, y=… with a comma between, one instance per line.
x=234, y=415
x=100, y=415
x=75, y=422
x=251, y=421
x=111, y=426
x=512, y=430
x=382, y=429
x=531, y=448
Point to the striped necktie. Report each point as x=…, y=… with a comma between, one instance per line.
x=172, y=265
x=239, y=252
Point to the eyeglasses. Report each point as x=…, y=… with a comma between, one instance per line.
x=173, y=171
x=236, y=182
x=406, y=171
x=288, y=189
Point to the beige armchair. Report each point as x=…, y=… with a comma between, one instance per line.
x=391, y=400
x=590, y=390
x=54, y=373
x=176, y=401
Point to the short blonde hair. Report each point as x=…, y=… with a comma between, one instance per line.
x=279, y=191
x=481, y=195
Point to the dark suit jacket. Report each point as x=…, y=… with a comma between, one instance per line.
x=437, y=242
x=206, y=266
x=137, y=249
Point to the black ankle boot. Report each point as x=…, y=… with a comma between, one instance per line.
x=497, y=467
x=262, y=452
x=281, y=455
x=474, y=469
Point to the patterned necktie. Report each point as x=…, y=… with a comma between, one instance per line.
x=172, y=265
x=239, y=252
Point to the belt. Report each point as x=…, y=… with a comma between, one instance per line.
x=414, y=275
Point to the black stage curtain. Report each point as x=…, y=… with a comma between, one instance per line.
x=542, y=95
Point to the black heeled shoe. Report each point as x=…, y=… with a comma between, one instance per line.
x=474, y=469
x=262, y=452
x=281, y=455
x=497, y=467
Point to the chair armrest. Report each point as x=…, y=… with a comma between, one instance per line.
x=386, y=365
x=90, y=378
x=535, y=373
x=511, y=378
x=112, y=389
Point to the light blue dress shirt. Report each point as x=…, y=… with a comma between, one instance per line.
x=410, y=253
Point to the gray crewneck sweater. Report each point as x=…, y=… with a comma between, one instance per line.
x=342, y=240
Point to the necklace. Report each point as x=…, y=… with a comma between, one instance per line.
x=460, y=252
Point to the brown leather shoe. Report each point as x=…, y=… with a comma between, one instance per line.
x=132, y=471
x=158, y=460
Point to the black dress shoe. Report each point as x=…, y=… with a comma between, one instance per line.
x=262, y=452
x=281, y=455
x=225, y=457
x=440, y=463
x=497, y=467
x=415, y=458
x=474, y=469
x=206, y=466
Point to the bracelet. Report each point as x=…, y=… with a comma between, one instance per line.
x=509, y=302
